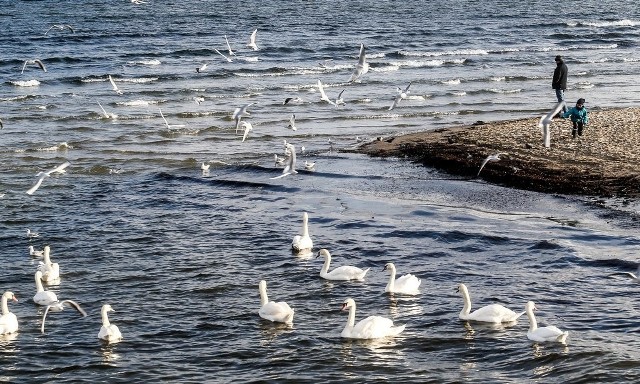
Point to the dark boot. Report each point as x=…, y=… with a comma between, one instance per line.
x=574, y=132
x=580, y=127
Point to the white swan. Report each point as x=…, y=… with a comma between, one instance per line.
x=407, y=284
x=373, y=327
x=108, y=332
x=303, y=243
x=50, y=271
x=270, y=310
x=493, y=313
x=549, y=333
x=342, y=273
x=8, y=321
x=59, y=307
x=43, y=297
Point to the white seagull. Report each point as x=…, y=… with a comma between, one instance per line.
x=42, y=175
x=489, y=158
x=402, y=94
x=323, y=96
x=59, y=306
x=279, y=160
x=34, y=252
x=247, y=128
x=229, y=46
x=202, y=68
x=205, y=167
x=309, y=166
x=291, y=100
x=32, y=235
x=35, y=61
x=239, y=113
x=290, y=167
x=292, y=123
x=252, y=40
x=340, y=100
x=105, y=114
x=225, y=57
x=108, y=332
x=362, y=67
x=60, y=27
x=167, y=123
x=115, y=87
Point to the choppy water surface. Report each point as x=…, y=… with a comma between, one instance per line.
x=179, y=254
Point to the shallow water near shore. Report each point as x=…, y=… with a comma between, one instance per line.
x=178, y=253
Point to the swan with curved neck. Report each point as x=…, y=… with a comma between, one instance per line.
x=549, y=333
x=108, y=332
x=8, y=321
x=270, y=310
x=407, y=284
x=303, y=243
x=492, y=313
x=43, y=297
x=50, y=271
x=343, y=273
x=372, y=327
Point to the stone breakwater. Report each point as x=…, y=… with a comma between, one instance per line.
x=604, y=161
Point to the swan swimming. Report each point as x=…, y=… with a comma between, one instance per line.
x=8, y=321
x=549, y=333
x=279, y=312
x=372, y=327
x=492, y=313
x=407, y=284
x=50, y=271
x=59, y=307
x=43, y=297
x=303, y=244
x=108, y=332
x=343, y=273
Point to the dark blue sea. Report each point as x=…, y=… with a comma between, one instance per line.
x=178, y=253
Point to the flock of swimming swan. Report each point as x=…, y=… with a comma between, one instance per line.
x=374, y=327
x=49, y=273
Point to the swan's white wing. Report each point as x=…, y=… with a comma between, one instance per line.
x=546, y=333
x=37, y=184
x=372, y=327
x=493, y=313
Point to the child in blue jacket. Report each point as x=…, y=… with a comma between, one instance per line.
x=578, y=116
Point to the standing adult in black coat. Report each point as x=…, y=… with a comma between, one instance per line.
x=559, y=82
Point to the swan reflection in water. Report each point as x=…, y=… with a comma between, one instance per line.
x=270, y=331
x=383, y=352
x=108, y=353
x=494, y=329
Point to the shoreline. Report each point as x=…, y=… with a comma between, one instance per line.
x=604, y=161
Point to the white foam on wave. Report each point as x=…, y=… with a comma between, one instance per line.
x=451, y=82
x=25, y=83
x=59, y=147
x=600, y=24
x=252, y=59
x=458, y=93
x=504, y=91
x=608, y=46
x=140, y=80
x=15, y=98
x=145, y=62
x=458, y=52
x=584, y=85
x=388, y=68
x=136, y=103
x=498, y=78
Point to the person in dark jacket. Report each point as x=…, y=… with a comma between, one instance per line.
x=559, y=82
x=578, y=116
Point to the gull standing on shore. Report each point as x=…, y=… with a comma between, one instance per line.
x=42, y=175
x=252, y=40
x=34, y=61
x=402, y=94
x=362, y=67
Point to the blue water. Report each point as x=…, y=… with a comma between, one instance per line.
x=178, y=253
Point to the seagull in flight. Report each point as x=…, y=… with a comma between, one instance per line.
x=35, y=61
x=105, y=114
x=401, y=94
x=291, y=100
x=362, y=67
x=201, y=68
x=323, y=96
x=42, y=175
x=167, y=123
x=59, y=306
x=340, y=100
x=252, y=40
x=1, y=125
x=60, y=27
x=34, y=252
x=239, y=113
x=231, y=53
x=489, y=158
x=290, y=167
x=115, y=87
x=247, y=128
x=225, y=57
x=292, y=122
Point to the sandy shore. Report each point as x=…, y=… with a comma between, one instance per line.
x=605, y=161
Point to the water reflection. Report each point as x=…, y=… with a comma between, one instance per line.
x=270, y=331
x=108, y=352
x=384, y=351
